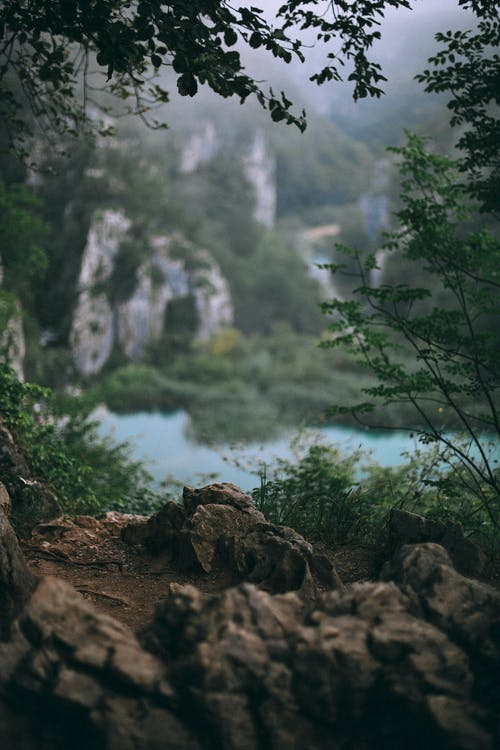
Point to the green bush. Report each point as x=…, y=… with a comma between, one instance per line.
x=142, y=388
x=336, y=498
x=232, y=413
x=63, y=450
x=317, y=494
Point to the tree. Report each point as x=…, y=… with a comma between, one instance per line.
x=468, y=69
x=51, y=49
x=441, y=357
x=23, y=232
x=435, y=346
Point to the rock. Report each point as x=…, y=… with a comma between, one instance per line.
x=214, y=528
x=84, y=667
x=410, y=528
x=5, y=503
x=31, y=501
x=467, y=610
x=199, y=148
x=275, y=556
x=12, y=341
x=173, y=269
x=260, y=171
x=93, y=329
x=360, y=671
x=135, y=532
x=380, y=665
x=163, y=528
x=219, y=525
x=211, y=296
x=12, y=461
x=16, y=580
x=223, y=522
x=85, y=540
x=223, y=493
x=324, y=570
x=35, y=501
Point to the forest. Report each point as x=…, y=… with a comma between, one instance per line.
x=265, y=225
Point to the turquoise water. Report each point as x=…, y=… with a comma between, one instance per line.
x=162, y=442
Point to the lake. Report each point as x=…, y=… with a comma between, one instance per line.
x=162, y=441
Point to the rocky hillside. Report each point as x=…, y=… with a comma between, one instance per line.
x=254, y=643
x=174, y=269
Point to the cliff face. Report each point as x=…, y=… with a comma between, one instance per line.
x=12, y=343
x=93, y=329
x=99, y=323
x=259, y=166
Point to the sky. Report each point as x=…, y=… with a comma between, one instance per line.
x=397, y=51
x=420, y=6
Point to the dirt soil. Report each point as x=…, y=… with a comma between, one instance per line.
x=126, y=581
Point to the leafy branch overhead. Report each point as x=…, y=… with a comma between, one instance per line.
x=55, y=54
x=468, y=68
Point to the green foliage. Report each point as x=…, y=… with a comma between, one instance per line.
x=235, y=387
x=317, y=494
x=47, y=49
x=22, y=255
x=454, y=347
x=141, y=388
x=123, y=280
x=467, y=68
x=64, y=451
x=271, y=285
x=228, y=203
x=340, y=498
x=125, y=177
x=320, y=168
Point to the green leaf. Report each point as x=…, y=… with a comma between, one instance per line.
x=230, y=37
x=187, y=85
x=255, y=40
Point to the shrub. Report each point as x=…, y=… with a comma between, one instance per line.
x=317, y=493
x=88, y=474
x=336, y=498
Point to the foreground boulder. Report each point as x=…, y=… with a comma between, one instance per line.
x=218, y=526
x=16, y=580
x=247, y=670
x=410, y=528
x=360, y=670
x=71, y=677
x=465, y=609
x=411, y=662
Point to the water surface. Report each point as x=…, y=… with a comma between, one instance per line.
x=162, y=441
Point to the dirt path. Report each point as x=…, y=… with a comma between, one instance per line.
x=127, y=582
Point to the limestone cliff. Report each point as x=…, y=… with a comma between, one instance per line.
x=172, y=269
x=93, y=328
x=12, y=343
x=260, y=170
x=199, y=148
x=259, y=165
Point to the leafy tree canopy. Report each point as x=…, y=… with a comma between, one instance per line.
x=56, y=54
x=49, y=49
x=434, y=350
x=468, y=68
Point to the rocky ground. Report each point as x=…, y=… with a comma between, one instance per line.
x=246, y=636
x=128, y=581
